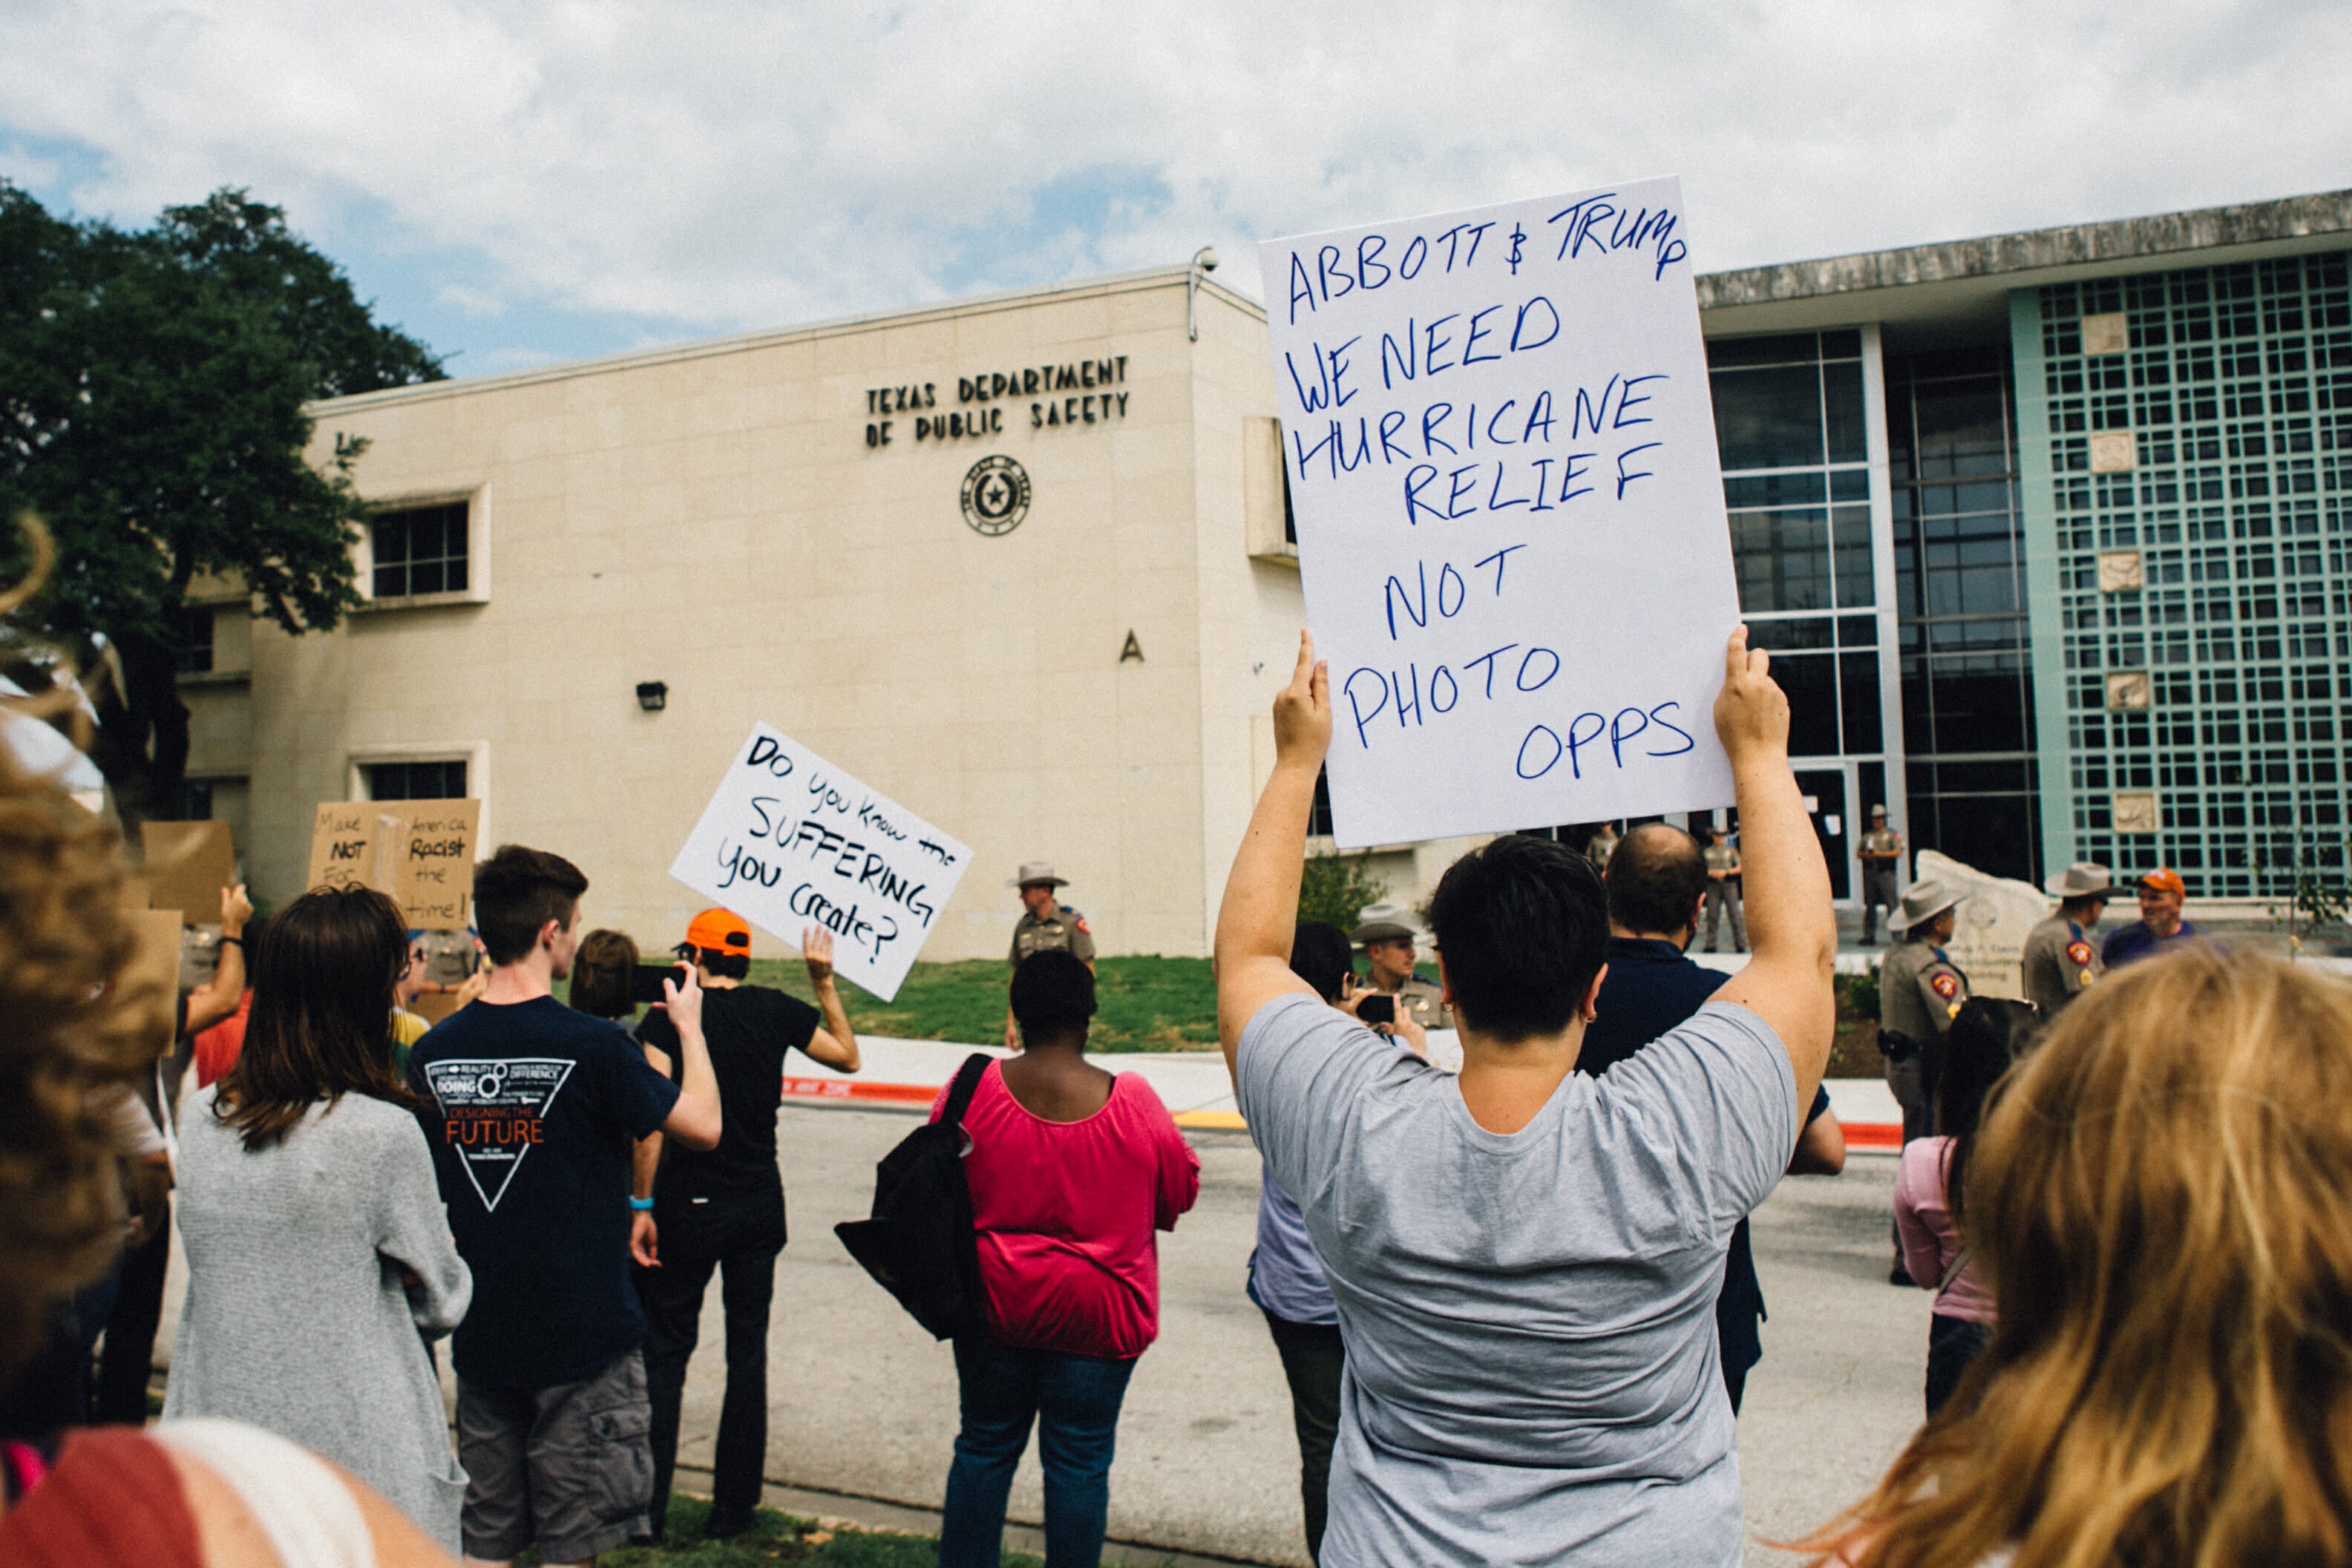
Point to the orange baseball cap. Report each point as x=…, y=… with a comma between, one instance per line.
x=2164, y=879
x=719, y=930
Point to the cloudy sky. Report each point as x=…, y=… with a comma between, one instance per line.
x=523, y=182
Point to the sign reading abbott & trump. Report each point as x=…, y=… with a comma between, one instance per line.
x=1511, y=534
x=789, y=841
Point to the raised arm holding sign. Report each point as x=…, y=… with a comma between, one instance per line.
x=1521, y=1203
x=1501, y=456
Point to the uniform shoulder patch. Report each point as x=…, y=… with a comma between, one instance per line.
x=2079, y=954
x=1944, y=985
x=1078, y=920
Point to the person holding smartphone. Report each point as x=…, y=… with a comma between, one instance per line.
x=1388, y=957
x=723, y=1208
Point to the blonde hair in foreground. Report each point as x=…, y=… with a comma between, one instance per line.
x=2162, y=1199
x=66, y=1028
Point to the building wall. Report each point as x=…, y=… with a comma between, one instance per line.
x=716, y=520
x=2187, y=442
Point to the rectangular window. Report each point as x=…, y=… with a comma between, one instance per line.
x=192, y=642
x=1782, y=560
x=1768, y=418
x=1318, y=815
x=419, y=551
x=417, y=780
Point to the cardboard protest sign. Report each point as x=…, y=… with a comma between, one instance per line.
x=419, y=851
x=789, y=841
x=1501, y=456
x=152, y=979
x=188, y=863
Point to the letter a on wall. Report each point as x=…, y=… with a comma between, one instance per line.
x=789, y=841
x=1500, y=450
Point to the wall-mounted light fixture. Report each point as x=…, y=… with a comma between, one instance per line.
x=653, y=695
x=1204, y=262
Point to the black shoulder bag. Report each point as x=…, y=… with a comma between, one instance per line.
x=919, y=1245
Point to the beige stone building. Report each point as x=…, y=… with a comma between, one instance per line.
x=587, y=581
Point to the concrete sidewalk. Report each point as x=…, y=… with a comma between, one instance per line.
x=862, y=1405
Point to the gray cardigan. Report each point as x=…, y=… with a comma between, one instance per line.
x=296, y=1319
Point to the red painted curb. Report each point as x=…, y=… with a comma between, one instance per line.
x=1875, y=1136
x=855, y=1089
x=1885, y=1137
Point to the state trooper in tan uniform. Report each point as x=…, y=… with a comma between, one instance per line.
x=1388, y=944
x=2059, y=962
x=1723, y=889
x=1048, y=925
x=1919, y=993
x=1881, y=853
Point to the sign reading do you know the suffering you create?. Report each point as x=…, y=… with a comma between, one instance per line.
x=1511, y=535
x=789, y=841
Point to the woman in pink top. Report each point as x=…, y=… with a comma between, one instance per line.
x=1071, y=1171
x=1929, y=1184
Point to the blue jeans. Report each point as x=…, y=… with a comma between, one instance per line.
x=1952, y=1344
x=1075, y=1401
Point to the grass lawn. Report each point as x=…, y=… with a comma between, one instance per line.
x=776, y=1538
x=1146, y=1003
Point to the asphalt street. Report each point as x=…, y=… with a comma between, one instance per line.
x=864, y=1403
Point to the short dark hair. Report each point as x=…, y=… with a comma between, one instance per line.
x=718, y=960
x=1523, y=927
x=321, y=1026
x=1053, y=994
x=1320, y=955
x=600, y=974
x=1655, y=879
x=517, y=890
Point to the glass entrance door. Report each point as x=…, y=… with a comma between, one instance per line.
x=1826, y=801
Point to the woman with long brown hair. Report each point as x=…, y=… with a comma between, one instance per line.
x=317, y=1248
x=2161, y=1202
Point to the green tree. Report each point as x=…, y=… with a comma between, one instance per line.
x=151, y=393
x=1334, y=888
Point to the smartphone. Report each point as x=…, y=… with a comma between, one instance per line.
x=646, y=980
x=1376, y=1010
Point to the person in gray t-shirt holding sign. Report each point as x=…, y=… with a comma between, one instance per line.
x=1526, y=1259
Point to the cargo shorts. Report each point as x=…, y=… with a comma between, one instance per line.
x=568, y=1468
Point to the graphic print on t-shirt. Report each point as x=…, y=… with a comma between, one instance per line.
x=492, y=1110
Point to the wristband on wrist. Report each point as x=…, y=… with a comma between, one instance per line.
x=239, y=940
x=641, y=1203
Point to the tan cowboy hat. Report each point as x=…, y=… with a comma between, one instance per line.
x=1034, y=873
x=1925, y=900
x=1385, y=922
x=2084, y=879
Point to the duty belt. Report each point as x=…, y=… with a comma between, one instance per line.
x=1896, y=1047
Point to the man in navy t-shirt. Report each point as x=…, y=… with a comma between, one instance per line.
x=1657, y=881
x=532, y=1111
x=2159, y=927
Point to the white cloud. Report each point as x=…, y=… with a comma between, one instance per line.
x=471, y=301
x=722, y=163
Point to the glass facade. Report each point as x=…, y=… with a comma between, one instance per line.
x=1792, y=432
x=1959, y=576
x=2187, y=443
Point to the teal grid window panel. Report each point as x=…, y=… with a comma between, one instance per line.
x=2234, y=520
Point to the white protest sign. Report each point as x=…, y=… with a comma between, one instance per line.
x=1511, y=533
x=789, y=841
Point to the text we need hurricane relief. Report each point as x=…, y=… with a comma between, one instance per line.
x=789, y=841
x=1502, y=463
